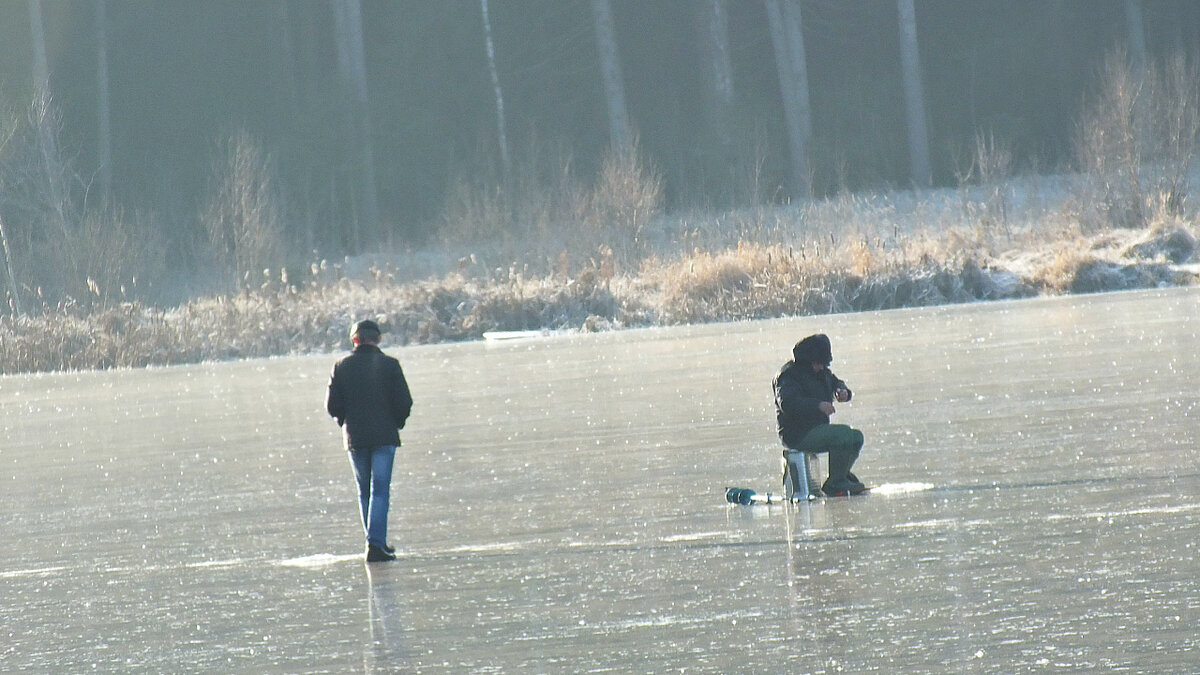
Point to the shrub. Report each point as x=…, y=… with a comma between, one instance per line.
x=627, y=196
x=244, y=216
x=117, y=253
x=1137, y=139
x=38, y=196
x=545, y=215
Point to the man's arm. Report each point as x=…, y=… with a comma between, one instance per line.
x=791, y=399
x=401, y=397
x=840, y=391
x=335, y=403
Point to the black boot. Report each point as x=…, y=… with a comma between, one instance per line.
x=839, y=484
x=377, y=554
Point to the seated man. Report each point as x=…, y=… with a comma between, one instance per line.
x=805, y=389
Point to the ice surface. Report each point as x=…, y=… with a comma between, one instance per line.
x=558, y=506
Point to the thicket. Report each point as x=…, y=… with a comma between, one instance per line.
x=1136, y=141
x=546, y=248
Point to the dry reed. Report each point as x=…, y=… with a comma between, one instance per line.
x=813, y=274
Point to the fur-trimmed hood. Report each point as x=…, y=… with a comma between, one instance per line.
x=813, y=349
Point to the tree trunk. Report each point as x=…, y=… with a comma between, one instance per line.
x=41, y=68
x=284, y=66
x=1137, y=35
x=714, y=34
x=104, y=132
x=501, y=127
x=914, y=98
x=795, y=40
x=353, y=68
x=785, y=31
x=610, y=73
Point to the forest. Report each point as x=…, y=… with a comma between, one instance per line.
x=156, y=152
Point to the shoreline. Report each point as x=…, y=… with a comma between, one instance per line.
x=848, y=254
x=751, y=281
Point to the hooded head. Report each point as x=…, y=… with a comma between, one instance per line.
x=813, y=349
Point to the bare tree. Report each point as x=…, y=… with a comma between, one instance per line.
x=43, y=118
x=501, y=127
x=351, y=55
x=13, y=296
x=787, y=38
x=914, y=97
x=1138, y=138
x=610, y=72
x=244, y=216
x=36, y=190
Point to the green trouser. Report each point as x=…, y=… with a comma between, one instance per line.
x=842, y=442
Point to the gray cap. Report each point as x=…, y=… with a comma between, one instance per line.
x=365, y=330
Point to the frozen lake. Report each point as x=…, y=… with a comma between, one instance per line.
x=558, y=506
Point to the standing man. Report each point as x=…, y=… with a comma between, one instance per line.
x=369, y=398
x=805, y=390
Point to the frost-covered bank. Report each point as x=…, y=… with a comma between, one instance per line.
x=863, y=258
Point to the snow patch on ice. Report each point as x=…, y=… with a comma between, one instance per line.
x=36, y=572
x=900, y=488
x=320, y=560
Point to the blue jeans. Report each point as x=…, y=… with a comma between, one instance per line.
x=373, y=472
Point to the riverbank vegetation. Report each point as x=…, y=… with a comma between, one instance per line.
x=796, y=264
x=549, y=249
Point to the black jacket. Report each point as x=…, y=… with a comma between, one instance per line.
x=369, y=398
x=798, y=393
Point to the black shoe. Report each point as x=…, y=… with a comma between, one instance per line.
x=844, y=489
x=854, y=481
x=376, y=554
x=389, y=548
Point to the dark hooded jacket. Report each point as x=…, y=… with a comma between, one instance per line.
x=799, y=390
x=369, y=398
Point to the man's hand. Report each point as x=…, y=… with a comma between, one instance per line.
x=826, y=408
